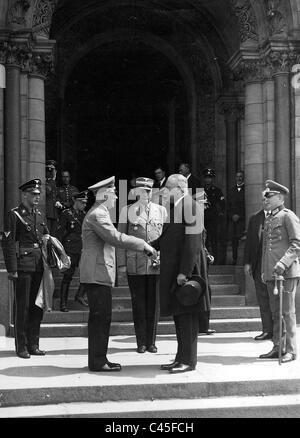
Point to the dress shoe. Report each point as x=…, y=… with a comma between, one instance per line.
x=288, y=357
x=273, y=354
x=37, y=352
x=142, y=349
x=23, y=354
x=263, y=337
x=152, y=349
x=64, y=309
x=107, y=367
x=208, y=332
x=169, y=366
x=181, y=368
x=82, y=301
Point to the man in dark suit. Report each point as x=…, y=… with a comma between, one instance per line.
x=252, y=266
x=194, y=183
x=236, y=213
x=159, y=184
x=180, y=252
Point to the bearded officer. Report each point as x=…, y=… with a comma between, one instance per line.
x=281, y=251
x=142, y=219
x=97, y=270
x=69, y=233
x=25, y=227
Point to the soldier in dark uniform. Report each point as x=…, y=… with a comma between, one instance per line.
x=69, y=233
x=66, y=191
x=236, y=213
x=214, y=214
x=52, y=205
x=24, y=230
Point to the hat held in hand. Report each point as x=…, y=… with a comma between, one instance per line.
x=190, y=293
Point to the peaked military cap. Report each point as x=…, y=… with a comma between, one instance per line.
x=209, y=172
x=33, y=186
x=51, y=164
x=81, y=196
x=144, y=183
x=104, y=184
x=274, y=187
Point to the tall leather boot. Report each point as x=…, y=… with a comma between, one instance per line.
x=64, y=292
x=80, y=296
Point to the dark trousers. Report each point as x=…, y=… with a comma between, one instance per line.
x=144, y=297
x=187, y=326
x=263, y=300
x=100, y=303
x=212, y=229
x=27, y=316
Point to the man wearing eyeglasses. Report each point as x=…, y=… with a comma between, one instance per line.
x=280, y=256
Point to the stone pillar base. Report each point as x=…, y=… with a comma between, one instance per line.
x=6, y=298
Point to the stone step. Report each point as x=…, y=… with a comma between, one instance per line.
x=227, y=289
x=213, y=279
x=127, y=328
x=207, y=395
x=124, y=302
x=126, y=315
x=273, y=406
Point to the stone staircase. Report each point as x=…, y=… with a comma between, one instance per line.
x=229, y=312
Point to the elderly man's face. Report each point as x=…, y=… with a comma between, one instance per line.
x=273, y=200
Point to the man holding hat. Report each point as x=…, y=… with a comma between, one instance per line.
x=280, y=256
x=22, y=243
x=214, y=216
x=52, y=205
x=97, y=270
x=143, y=219
x=69, y=233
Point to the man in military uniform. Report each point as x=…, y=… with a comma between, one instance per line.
x=236, y=213
x=52, y=205
x=214, y=216
x=97, y=270
x=142, y=219
x=69, y=233
x=66, y=191
x=281, y=251
x=24, y=230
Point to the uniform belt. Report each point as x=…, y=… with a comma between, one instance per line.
x=29, y=246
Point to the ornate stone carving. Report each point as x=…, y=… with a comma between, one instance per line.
x=41, y=64
x=17, y=13
x=247, y=20
x=42, y=16
x=276, y=17
x=249, y=71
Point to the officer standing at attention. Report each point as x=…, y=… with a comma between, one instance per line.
x=66, y=192
x=281, y=251
x=214, y=213
x=52, y=205
x=22, y=242
x=97, y=270
x=142, y=219
x=69, y=233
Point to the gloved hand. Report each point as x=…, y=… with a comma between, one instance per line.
x=181, y=279
x=279, y=268
x=12, y=276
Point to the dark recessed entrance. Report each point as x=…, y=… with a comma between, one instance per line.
x=124, y=111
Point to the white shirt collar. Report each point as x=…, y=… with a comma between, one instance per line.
x=180, y=199
x=162, y=181
x=187, y=177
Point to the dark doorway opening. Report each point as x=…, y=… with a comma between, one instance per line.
x=116, y=114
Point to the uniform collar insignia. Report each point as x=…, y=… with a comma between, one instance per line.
x=277, y=210
x=6, y=233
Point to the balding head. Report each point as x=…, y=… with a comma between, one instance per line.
x=177, y=185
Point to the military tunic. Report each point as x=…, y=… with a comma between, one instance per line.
x=64, y=195
x=145, y=222
x=281, y=243
x=21, y=243
x=69, y=233
x=214, y=218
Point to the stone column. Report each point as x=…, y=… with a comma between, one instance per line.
x=297, y=150
x=12, y=137
x=282, y=130
x=269, y=129
x=254, y=146
x=36, y=130
x=24, y=127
